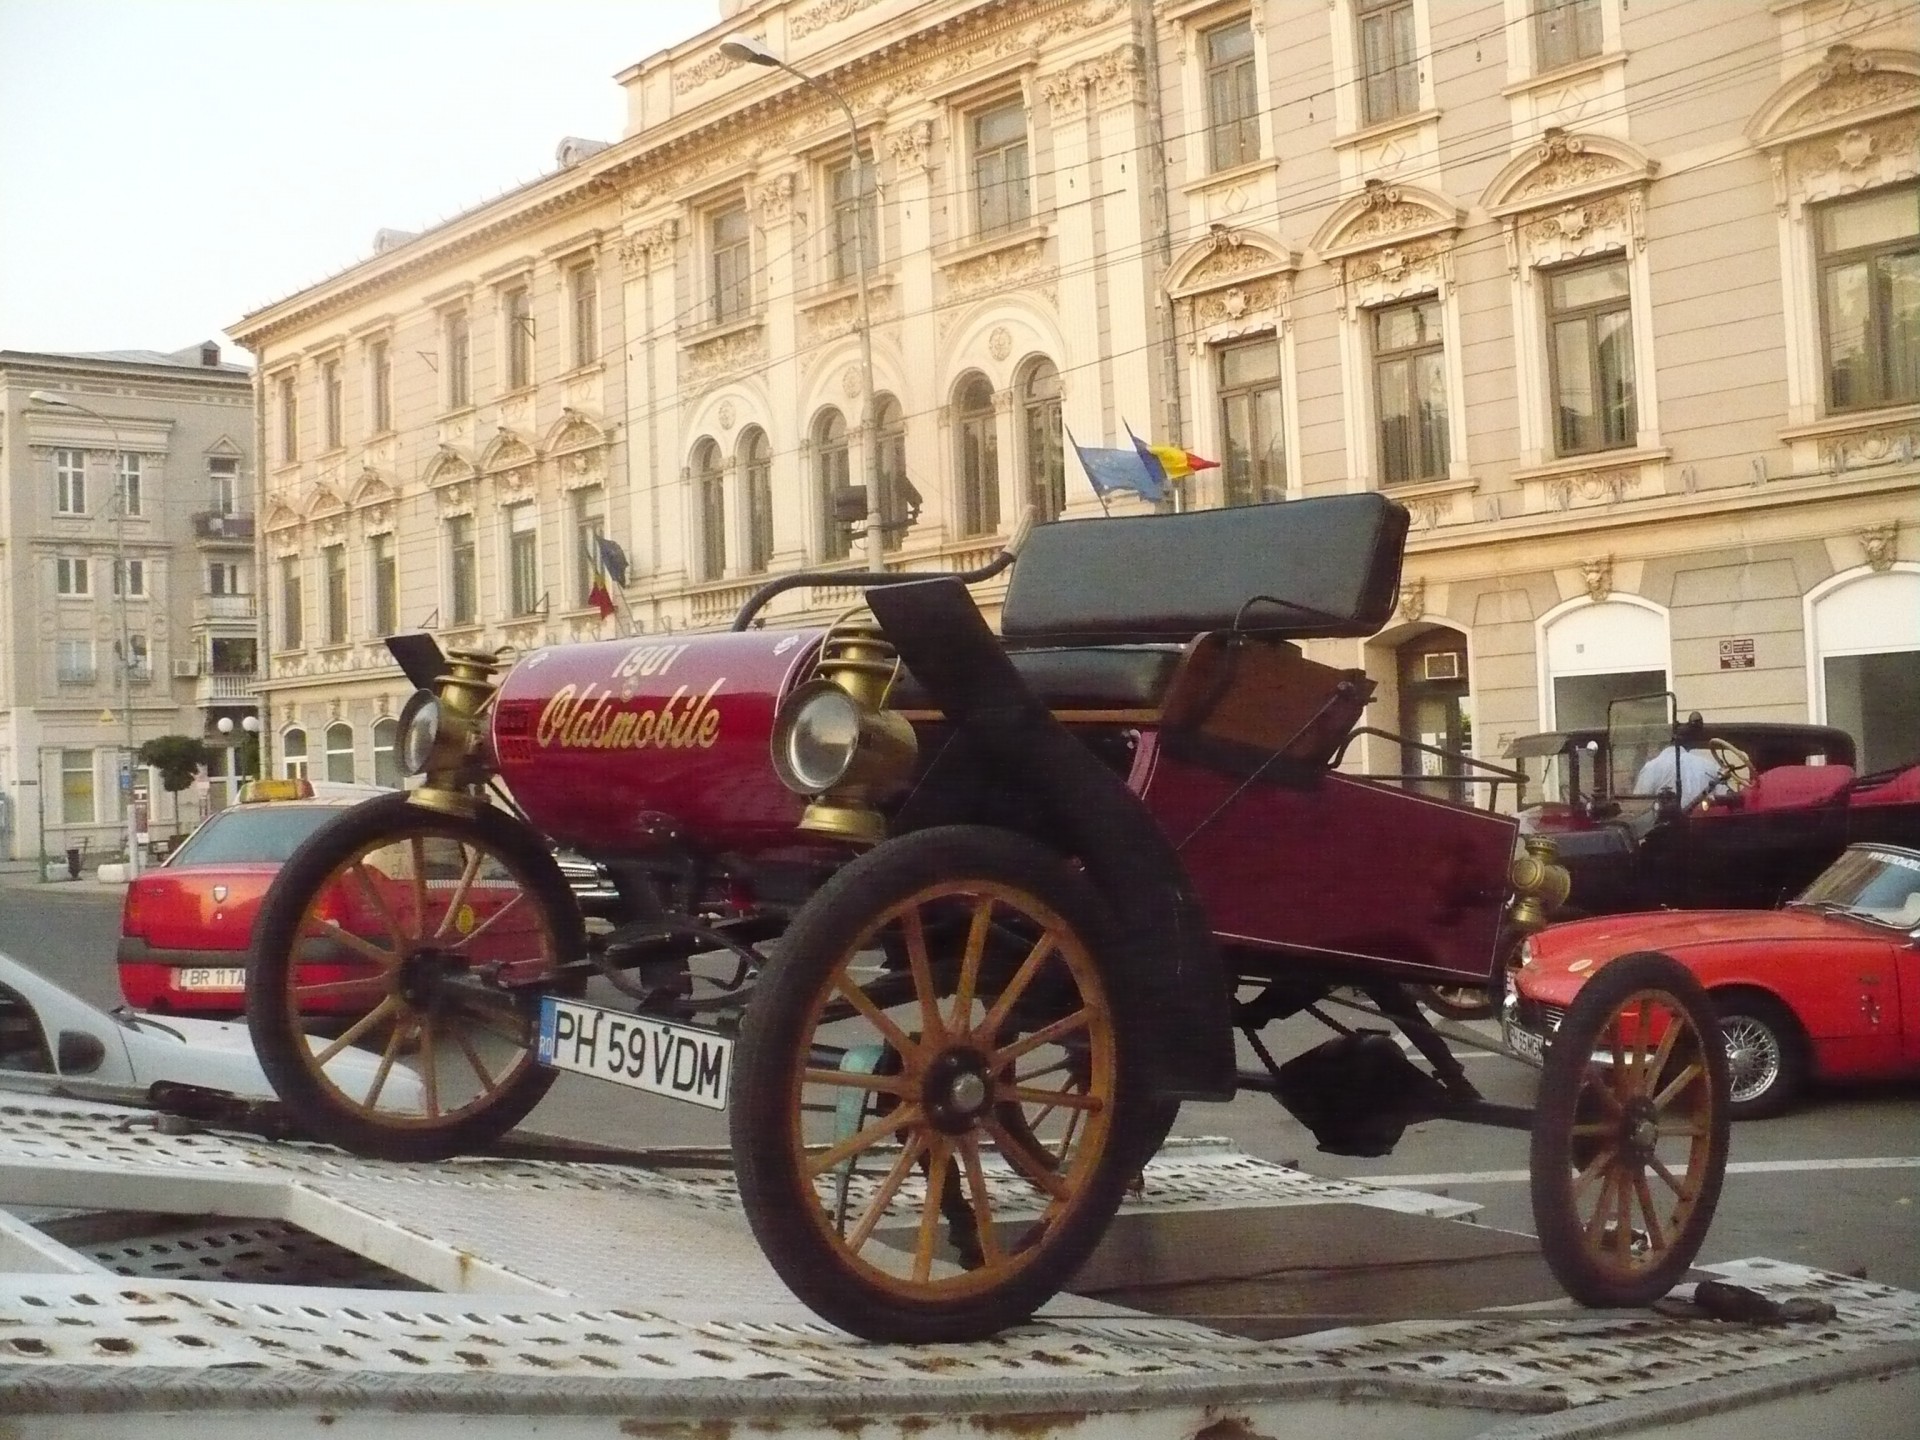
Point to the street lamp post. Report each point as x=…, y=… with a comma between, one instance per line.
x=65, y=402
x=248, y=723
x=751, y=51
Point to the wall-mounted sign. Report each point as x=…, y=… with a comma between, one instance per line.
x=1736, y=654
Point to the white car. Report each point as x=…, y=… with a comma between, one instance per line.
x=53, y=1042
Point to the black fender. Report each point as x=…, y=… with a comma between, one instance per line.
x=1085, y=810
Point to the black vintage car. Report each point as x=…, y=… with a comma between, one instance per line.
x=1789, y=800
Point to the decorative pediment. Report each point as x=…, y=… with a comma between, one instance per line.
x=1225, y=258
x=573, y=431
x=325, y=501
x=1386, y=215
x=372, y=489
x=1848, y=88
x=225, y=446
x=448, y=467
x=281, y=516
x=507, y=451
x=1564, y=168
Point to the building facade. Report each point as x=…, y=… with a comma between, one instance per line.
x=1623, y=302
x=127, y=546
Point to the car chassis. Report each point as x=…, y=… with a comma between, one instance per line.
x=999, y=904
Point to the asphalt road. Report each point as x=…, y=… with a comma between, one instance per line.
x=1836, y=1184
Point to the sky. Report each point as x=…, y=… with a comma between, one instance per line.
x=167, y=166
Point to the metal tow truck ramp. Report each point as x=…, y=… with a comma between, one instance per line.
x=157, y=1284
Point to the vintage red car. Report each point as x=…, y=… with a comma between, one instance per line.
x=939, y=914
x=1825, y=989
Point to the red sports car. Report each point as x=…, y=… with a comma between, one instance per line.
x=1827, y=988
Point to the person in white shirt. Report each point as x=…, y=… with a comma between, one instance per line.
x=1686, y=767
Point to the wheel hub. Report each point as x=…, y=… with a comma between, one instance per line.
x=1640, y=1134
x=422, y=975
x=958, y=1088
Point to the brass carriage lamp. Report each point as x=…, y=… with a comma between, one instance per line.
x=835, y=741
x=1540, y=885
x=441, y=733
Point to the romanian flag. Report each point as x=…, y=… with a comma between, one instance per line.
x=1175, y=463
x=598, y=596
x=604, y=556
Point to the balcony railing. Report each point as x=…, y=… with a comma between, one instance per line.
x=220, y=525
x=218, y=689
x=224, y=607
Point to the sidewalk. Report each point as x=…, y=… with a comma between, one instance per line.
x=25, y=875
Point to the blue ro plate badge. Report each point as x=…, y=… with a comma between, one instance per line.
x=677, y=1061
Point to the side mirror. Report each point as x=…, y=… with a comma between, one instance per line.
x=78, y=1053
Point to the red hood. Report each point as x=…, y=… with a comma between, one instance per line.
x=1610, y=935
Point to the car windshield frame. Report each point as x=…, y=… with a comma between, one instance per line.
x=1878, y=884
x=263, y=834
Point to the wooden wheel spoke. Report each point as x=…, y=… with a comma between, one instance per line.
x=394, y=1042
x=1017, y=986
x=1623, y=1212
x=1597, y=1222
x=1025, y=1161
x=1598, y=1127
x=491, y=1022
x=1599, y=1082
x=1656, y=1236
x=939, y=1156
x=876, y=1017
x=818, y=1164
x=359, y=1027
x=1676, y=1026
x=429, y=1070
x=981, y=1201
x=491, y=920
x=1059, y=1099
x=889, y=1186
x=378, y=901
x=979, y=924
x=921, y=969
x=859, y=1080
x=1596, y=1168
x=473, y=1059
x=1680, y=1082
x=334, y=931
x=417, y=852
x=1658, y=1166
x=1066, y=1025
x=332, y=989
x=460, y=889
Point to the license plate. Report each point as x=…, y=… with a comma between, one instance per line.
x=1527, y=1045
x=658, y=1056
x=213, y=978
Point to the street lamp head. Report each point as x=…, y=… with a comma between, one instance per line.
x=47, y=397
x=224, y=725
x=251, y=724
x=747, y=50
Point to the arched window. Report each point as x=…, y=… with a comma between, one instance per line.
x=899, y=501
x=1600, y=652
x=386, y=766
x=1043, y=458
x=340, y=752
x=976, y=457
x=710, y=485
x=1865, y=633
x=830, y=477
x=756, y=462
x=293, y=754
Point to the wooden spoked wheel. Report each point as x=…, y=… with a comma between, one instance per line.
x=397, y=968
x=934, y=1117
x=1630, y=1133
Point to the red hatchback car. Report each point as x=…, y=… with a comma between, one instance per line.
x=1827, y=988
x=186, y=925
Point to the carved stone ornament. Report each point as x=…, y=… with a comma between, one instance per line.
x=726, y=355
x=1111, y=79
x=774, y=200
x=850, y=381
x=1413, y=600
x=646, y=248
x=1594, y=487
x=725, y=415
x=1848, y=81
x=1019, y=266
x=827, y=12
x=1000, y=342
x=705, y=70
x=913, y=146
x=1597, y=576
x=1881, y=544
x=1855, y=148
x=1870, y=445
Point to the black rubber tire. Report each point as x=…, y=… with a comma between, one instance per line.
x=1766, y=1054
x=791, y=1221
x=1621, y=1108
x=280, y=1038
x=1456, y=1002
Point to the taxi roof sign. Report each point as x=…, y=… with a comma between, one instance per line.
x=288, y=789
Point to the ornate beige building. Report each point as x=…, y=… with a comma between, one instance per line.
x=1622, y=302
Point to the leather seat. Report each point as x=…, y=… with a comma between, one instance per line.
x=1107, y=677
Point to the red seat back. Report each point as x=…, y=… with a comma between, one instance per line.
x=1902, y=789
x=1792, y=787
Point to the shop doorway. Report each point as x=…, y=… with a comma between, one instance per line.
x=1436, y=713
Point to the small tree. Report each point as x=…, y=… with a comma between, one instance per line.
x=178, y=758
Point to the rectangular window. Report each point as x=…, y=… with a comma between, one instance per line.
x=291, y=632
x=523, y=560
x=332, y=399
x=464, y=603
x=334, y=566
x=233, y=656
x=856, y=219
x=223, y=577
x=1233, y=96
x=589, y=524
x=380, y=386
x=136, y=578
x=1590, y=332
x=76, y=787
x=74, y=659
x=730, y=241
x=1565, y=31
x=1002, y=192
x=1870, y=298
x=583, y=292
x=70, y=482
x=1389, y=70
x=223, y=484
x=516, y=306
x=459, y=351
x=132, y=501
x=72, y=575
x=1254, y=466
x=288, y=404
x=385, y=584
x=1410, y=391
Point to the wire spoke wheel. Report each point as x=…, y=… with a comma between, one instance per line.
x=1630, y=1135
x=397, y=968
x=931, y=1094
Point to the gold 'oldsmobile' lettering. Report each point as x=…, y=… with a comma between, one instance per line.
x=648, y=660
x=584, y=718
